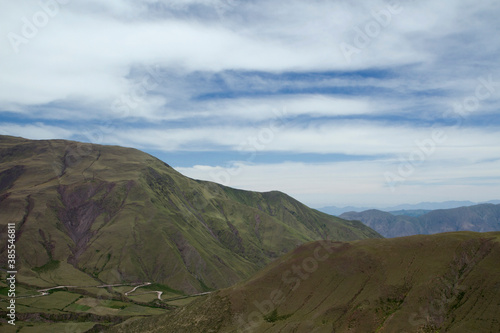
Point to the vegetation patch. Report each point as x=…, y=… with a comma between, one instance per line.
x=204, y=287
x=274, y=317
x=457, y=304
x=161, y=287
x=49, y=266
x=4, y=291
x=81, y=307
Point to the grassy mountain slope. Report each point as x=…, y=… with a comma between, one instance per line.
x=88, y=214
x=479, y=218
x=428, y=283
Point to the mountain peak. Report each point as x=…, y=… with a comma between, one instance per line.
x=116, y=214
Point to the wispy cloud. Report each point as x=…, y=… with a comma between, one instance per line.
x=344, y=183
x=36, y=131
x=203, y=76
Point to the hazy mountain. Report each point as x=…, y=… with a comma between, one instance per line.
x=440, y=283
x=481, y=218
x=116, y=214
x=387, y=224
x=337, y=211
x=431, y=205
x=404, y=209
x=410, y=212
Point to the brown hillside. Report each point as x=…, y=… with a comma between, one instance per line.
x=440, y=283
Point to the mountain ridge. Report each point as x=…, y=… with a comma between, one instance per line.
x=479, y=218
x=337, y=211
x=113, y=214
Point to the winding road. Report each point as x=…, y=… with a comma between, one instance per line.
x=45, y=292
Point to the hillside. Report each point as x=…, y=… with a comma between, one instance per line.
x=479, y=218
x=429, y=283
x=89, y=214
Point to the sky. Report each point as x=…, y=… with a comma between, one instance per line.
x=366, y=103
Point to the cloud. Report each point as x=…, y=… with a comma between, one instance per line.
x=37, y=131
x=229, y=76
x=87, y=51
x=343, y=183
x=280, y=135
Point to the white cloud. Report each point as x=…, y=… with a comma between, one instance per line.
x=86, y=50
x=37, y=131
x=280, y=107
x=360, y=182
x=92, y=54
x=335, y=137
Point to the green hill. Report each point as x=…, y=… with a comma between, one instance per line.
x=89, y=214
x=440, y=283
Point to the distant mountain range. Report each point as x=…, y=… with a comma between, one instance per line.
x=88, y=214
x=400, y=209
x=440, y=283
x=480, y=218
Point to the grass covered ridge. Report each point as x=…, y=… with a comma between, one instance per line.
x=440, y=283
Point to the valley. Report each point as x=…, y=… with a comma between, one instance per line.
x=370, y=285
